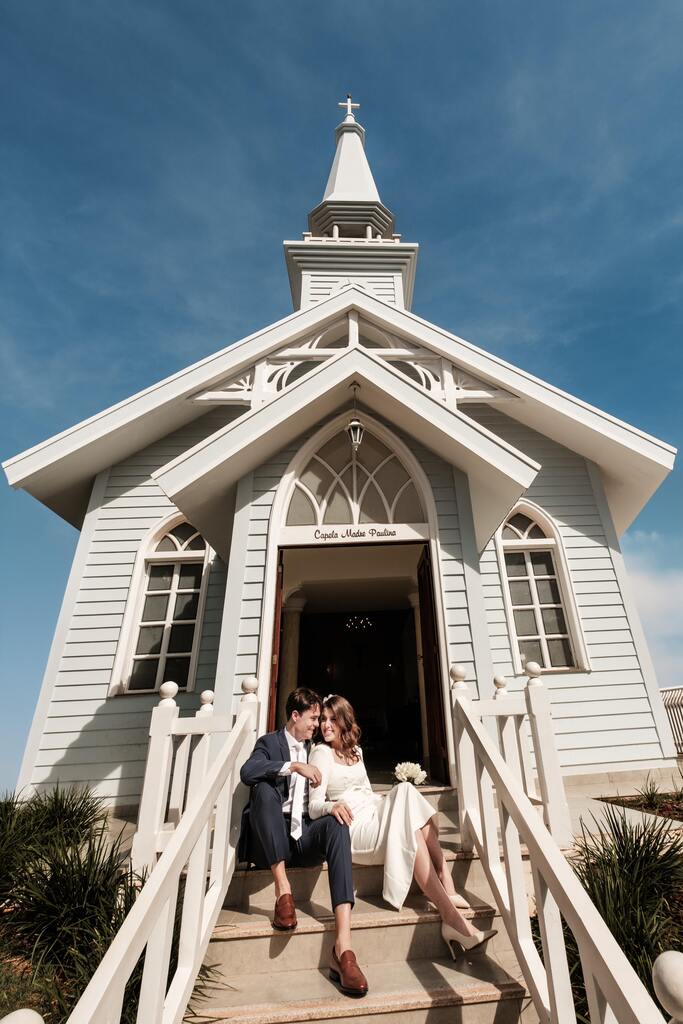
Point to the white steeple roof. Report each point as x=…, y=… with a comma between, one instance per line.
x=351, y=179
x=351, y=206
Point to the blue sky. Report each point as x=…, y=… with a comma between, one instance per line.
x=154, y=155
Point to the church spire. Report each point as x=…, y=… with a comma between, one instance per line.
x=351, y=206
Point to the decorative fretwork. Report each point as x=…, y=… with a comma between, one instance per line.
x=342, y=487
x=281, y=369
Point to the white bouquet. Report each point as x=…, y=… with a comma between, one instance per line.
x=409, y=771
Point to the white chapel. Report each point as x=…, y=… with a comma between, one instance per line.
x=351, y=499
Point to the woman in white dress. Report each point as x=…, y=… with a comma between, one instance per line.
x=398, y=829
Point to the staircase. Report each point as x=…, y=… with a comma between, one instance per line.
x=504, y=834
x=264, y=976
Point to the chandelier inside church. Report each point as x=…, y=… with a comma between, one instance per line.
x=358, y=623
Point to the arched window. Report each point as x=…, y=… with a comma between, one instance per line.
x=339, y=486
x=542, y=617
x=166, y=633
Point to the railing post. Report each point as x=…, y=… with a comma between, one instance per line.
x=555, y=809
x=205, y=704
x=667, y=978
x=513, y=741
x=468, y=793
x=157, y=779
x=248, y=702
x=176, y=801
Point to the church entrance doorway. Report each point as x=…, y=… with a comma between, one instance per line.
x=360, y=621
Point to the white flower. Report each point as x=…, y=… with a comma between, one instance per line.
x=409, y=771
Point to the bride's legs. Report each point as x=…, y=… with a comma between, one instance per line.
x=427, y=878
x=430, y=832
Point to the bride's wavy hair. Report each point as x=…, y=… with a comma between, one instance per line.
x=349, y=729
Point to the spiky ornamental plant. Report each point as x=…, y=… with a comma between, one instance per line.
x=633, y=873
x=72, y=813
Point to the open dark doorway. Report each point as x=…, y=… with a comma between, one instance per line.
x=361, y=621
x=370, y=658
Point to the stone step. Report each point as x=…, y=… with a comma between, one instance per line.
x=442, y=798
x=473, y=990
x=311, y=885
x=247, y=941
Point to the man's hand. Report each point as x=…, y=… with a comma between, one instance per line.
x=309, y=771
x=342, y=812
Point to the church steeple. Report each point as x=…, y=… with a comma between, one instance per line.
x=351, y=238
x=351, y=206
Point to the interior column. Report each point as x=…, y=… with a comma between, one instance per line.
x=289, y=654
x=414, y=599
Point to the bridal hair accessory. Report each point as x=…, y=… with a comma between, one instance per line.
x=409, y=771
x=329, y=697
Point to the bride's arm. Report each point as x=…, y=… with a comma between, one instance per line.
x=317, y=804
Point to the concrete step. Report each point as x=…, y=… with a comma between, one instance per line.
x=247, y=941
x=311, y=884
x=442, y=798
x=473, y=990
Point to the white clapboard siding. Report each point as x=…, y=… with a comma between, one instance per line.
x=88, y=737
x=454, y=595
x=321, y=286
x=599, y=733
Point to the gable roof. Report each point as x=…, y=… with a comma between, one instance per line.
x=198, y=480
x=59, y=471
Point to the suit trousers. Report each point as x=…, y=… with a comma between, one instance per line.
x=321, y=839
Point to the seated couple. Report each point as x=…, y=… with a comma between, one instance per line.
x=307, y=806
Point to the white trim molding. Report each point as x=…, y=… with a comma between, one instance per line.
x=277, y=534
x=498, y=473
x=146, y=555
x=551, y=542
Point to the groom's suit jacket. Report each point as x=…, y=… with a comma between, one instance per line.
x=264, y=765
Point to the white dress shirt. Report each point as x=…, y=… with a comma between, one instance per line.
x=297, y=752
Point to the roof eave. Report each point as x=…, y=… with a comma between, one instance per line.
x=498, y=473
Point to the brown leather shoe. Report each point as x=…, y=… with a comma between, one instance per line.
x=284, y=917
x=345, y=971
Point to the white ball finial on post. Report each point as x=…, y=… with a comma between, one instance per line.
x=249, y=688
x=457, y=674
x=533, y=672
x=501, y=685
x=205, y=703
x=167, y=692
x=667, y=979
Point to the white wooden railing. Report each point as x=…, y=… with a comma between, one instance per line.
x=497, y=819
x=197, y=843
x=175, y=743
x=189, y=820
x=673, y=702
x=514, y=720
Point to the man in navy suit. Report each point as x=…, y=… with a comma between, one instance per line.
x=277, y=832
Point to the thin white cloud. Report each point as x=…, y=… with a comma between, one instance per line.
x=659, y=595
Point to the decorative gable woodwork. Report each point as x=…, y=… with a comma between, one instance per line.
x=432, y=372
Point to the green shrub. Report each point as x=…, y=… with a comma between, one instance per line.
x=65, y=899
x=71, y=813
x=650, y=795
x=633, y=873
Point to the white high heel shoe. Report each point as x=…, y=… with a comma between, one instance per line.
x=459, y=902
x=467, y=942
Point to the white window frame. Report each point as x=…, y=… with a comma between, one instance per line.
x=130, y=628
x=551, y=542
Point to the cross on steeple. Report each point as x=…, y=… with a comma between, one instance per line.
x=350, y=107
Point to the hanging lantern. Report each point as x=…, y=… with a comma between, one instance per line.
x=355, y=428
